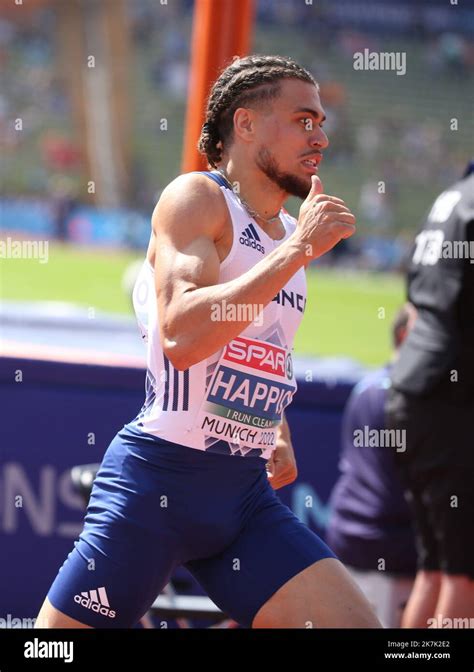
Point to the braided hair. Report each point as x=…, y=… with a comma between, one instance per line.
x=246, y=81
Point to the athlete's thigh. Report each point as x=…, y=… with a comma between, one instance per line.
x=50, y=617
x=321, y=596
x=127, y=550
x=114, y=585
x=272, y=548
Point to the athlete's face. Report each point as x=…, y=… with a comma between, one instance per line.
x=291, y=138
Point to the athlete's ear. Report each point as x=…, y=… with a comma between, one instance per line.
x=244, y=124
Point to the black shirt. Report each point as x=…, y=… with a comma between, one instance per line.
x=440, y=347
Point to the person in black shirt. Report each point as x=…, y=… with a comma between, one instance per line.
x=370, y=526
x=432, y=399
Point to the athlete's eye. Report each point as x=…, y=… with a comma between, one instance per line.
x=307, y=122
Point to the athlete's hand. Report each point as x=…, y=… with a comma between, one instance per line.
x=323, y=221
x=281, y=467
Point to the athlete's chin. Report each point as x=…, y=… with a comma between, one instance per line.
x=299, y=186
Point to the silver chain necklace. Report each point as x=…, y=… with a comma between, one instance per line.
x=253, y=213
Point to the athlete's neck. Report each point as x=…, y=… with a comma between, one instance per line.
x=261, y=194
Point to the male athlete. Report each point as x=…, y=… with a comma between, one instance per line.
x=219, y=299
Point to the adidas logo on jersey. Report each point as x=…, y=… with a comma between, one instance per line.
x=97, y=601
x=250, y=238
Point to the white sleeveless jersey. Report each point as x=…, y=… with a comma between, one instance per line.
x=231, y=402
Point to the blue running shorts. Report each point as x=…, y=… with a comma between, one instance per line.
x=156, y=505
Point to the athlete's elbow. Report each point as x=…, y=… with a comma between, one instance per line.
x=181, y=351
x=175, y=354
x=183, y=354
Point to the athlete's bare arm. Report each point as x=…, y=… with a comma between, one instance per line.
x=188, y=221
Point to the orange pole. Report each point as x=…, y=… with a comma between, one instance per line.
x=221, y=30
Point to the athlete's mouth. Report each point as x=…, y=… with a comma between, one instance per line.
x=312, y=162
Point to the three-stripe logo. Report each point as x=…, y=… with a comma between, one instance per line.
x=176, y=391
x=250, y=238
x=97, y=601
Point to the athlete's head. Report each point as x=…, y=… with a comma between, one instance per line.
x=267, y=107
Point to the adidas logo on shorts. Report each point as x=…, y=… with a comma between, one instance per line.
x=250, y=238
x=97, y=601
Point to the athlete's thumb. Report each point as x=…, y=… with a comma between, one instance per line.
x=316, y=187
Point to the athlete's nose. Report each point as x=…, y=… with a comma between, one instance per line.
x=319, y=139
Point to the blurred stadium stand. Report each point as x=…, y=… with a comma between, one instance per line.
x=382, y=127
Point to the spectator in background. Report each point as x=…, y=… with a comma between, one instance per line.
x=375, y=206
x=432, y=399
x=370, y=526
x=63, y=205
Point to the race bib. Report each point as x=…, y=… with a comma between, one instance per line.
x=250, y=387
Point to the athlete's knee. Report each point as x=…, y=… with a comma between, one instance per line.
x=50, y=617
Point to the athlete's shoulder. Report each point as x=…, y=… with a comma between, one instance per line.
x=196, y=184
x=187, y=197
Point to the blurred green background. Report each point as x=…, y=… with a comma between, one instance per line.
x=346, y=312
x=412, y=132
